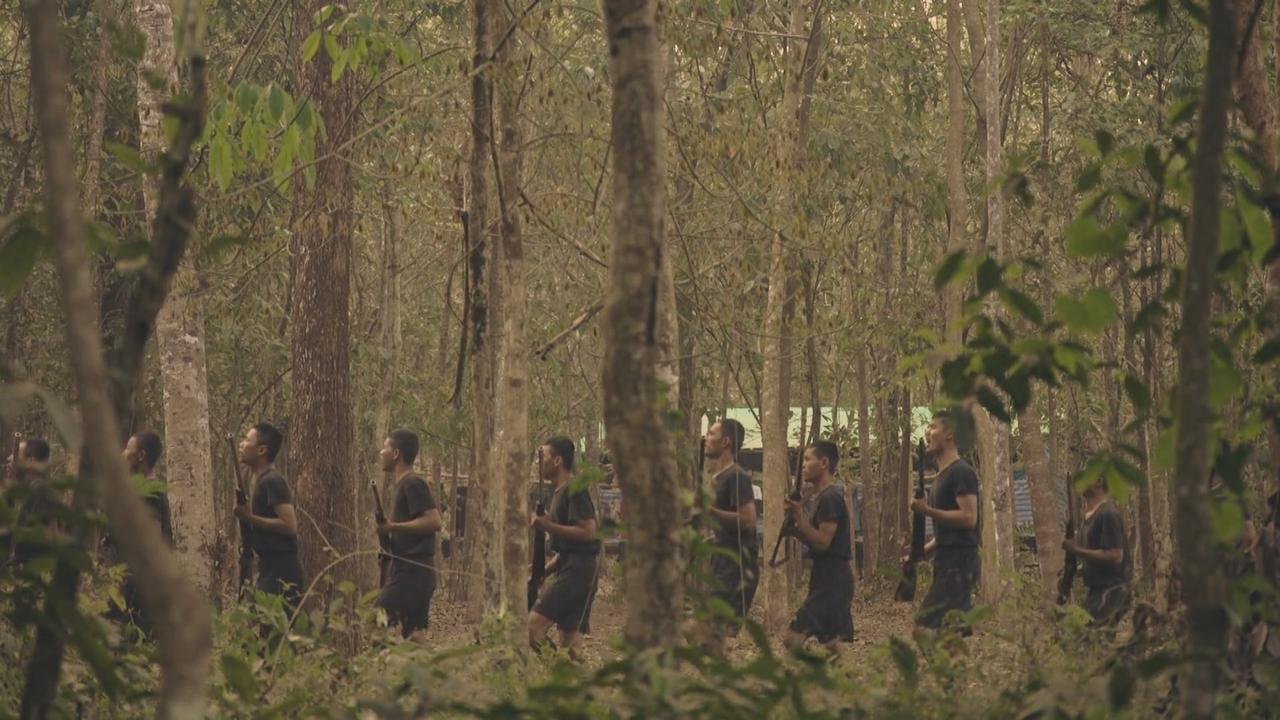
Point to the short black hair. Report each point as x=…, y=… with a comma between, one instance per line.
x=959, y=422
x=827, y=449
x=735, y=432
x=150, y=445
x=406, y=441
x=271, y=438
x=35, y=448
x=563, y=448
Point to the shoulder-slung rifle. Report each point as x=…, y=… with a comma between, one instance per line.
x=246, y=530
x=384, y=538
x=906, y=591
x=788, y=525
x=538, y=561
x=1069, y=560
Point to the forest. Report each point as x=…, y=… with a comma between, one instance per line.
x=640, y=359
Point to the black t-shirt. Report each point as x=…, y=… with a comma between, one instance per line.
x=1104, y=530
x=413, y=500
x=828, y=506
x=158, y=505
x=733, y=490
x=269, y=491
x=571, y=508
x=956, y=480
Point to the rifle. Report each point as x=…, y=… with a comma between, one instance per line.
x=788, y=528
x=1069, y=560
x=538, y=563
x=384, y=538
x=906, y=591
x=246, y=530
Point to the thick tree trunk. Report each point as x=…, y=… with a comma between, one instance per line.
x=188, y=460
x=637, y=437
x=957, y=200
x=511, y=456
x=1203, y=584
x=321, y=428
x=1044, y=499
x=181, y=617
x=483, y=527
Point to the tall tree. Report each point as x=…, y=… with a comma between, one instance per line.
x=1203, y=583
x=957, y=198
x=180, y=335
x=638, y=439
x=321, y=427
x=511, y=459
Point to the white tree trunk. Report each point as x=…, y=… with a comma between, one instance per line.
x=188, y=461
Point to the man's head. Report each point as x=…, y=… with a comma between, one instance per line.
x=724, y=436
x=557, y=457
x=142, y=452
x=400, y=448
x=261, y=444
x=820, y=460
x=941, y=434
x=33, y=454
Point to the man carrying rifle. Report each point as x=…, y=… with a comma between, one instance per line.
x=1105, y=555
x=570, y=522
x=956, y=522
x=271, y=515
x=825, y=615
x=415, y=520
x=141, y=453
x=735, y=571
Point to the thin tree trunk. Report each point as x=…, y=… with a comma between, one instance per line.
x=321, y=430
x=957, y=201
x=1203, y=584
x=638, y=439
x=870, y=494
x=1044, y=499
x=182, y=619
x=1146, y=529
x=91, y=181
x=511, y=457
x=188, y=459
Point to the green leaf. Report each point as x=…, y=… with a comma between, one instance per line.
x=127, y=157
x=1155, y=165
x=905, y=659
x=220, y=162
x=339, y=66
x=1269, y=351
x=331, y=47
x=1092, y=313
x=989, y=272
x=1138, y=394
x=1089, y=179
x=1105, y=141
x=1228, y=521
x=311, y=45
x=1086, y=239
x=1165, y=452
x=275, y=102
x=246, y=97
x=239, y=676
x=304, y=119
x=946, y=272
x=1224, y=383
x=18, y=255
x=989, y=400
x=1020, y=303
x=220, y=244
x=1256, y=223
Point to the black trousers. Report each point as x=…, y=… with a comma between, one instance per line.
x=1107, y=605
x=956, y=571
x=407, y=595
x=825, y=614
x=735, y=582
x=567, y=597
x=281, y=574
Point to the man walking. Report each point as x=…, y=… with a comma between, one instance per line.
x=415, y=520
x=825, y=614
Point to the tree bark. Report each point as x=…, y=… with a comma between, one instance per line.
x=1203, y=584
x=637, y=437
x=180, y=616
x=870, y=494
x=98, y=111
x=957, y=200
x=511, y=458
x=321, y=429
x=188, y=459
x=1044, y=499
x=482, y=526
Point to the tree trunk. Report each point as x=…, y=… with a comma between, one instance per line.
x=91, y=182
x=182, y=619
x=1044, y=499
x=1203, y=584
x=511, y=457
x=957, y=201
x=637, y=436
x=321, y=428
x=1146, y=529
x=483, y=528
x=870, y=494
x=188, y=459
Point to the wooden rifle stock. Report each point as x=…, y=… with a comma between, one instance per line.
x=788, y=528
x=384, y=538
x=1069, y=560
x=538, y=560
x=906, y=591
x=246, y=530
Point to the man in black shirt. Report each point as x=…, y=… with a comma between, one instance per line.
x=1105, y=552
x=570, y=523
x=271, y=514
x=825, y=615
x=736, y=572
x=956, y=523
x=141, y=453
x=40, y=507
x=415, y=520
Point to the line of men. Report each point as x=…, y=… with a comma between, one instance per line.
x=823, y=525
